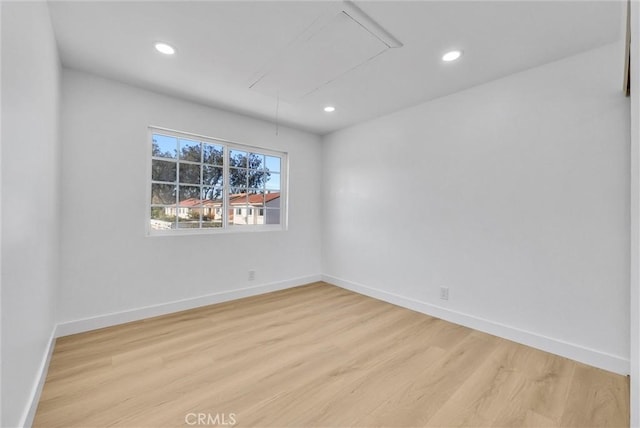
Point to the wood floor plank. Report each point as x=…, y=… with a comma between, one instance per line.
x=482, y=396
x=430, y=386
x=596, y=399
x=513, y=374
x=336, y=394
x=536, y=420
x=317, y=356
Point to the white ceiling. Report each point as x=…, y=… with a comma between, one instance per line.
x=225, y=47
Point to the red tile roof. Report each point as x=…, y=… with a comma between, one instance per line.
x=252, y=198
x=234, y=199
x=191, y=202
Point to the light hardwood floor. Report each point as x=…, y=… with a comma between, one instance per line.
x=317, y=356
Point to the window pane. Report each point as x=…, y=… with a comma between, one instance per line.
x=238, y=158
x=237, y=204
x=272, y=200
x=212, y=154
x=272, y=163
x=163, y=171
x=212, y=194
x=237, y=177
x=260, y=217
x=189, y=218
x=240, y=215
x=164, y=146
x=252, y=216
x=256, y=161
x=163, y=218
x=256, y=197
x=272, y=216
x=190, y=150
x=212, y=215
x=208, y=224
x=273, y=182
x=189, y=173
x=163, y=194
x=257, y=179
x=211, y=175
x=237, y=196
x=189, y=194
x=238, y=191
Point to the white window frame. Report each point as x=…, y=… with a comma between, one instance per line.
x=227, y=146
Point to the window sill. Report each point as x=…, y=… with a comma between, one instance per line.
x=215, y=231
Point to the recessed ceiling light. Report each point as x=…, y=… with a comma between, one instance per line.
x=451, y=56
x=165, y=48
x=329, y=109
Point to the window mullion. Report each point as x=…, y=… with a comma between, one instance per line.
x=177, y=183
x=225, y=188
x=200, y=198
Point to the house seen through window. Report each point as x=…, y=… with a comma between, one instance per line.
x=202, y=184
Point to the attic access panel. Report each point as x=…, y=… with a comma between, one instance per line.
x=317, y=59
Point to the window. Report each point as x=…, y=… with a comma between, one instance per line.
x=194, y=180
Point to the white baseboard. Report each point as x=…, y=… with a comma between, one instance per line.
x=572, y=351
x=30, y=412
x=111, y=319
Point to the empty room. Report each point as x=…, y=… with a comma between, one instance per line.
x=320, y=213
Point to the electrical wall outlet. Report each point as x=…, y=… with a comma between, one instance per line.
x=252, y=275
x=444, y=293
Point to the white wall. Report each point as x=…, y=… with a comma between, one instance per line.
x=108, y=264
x=635, y=217
x=30, y=200
x=515, y=194
x=1, y=405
